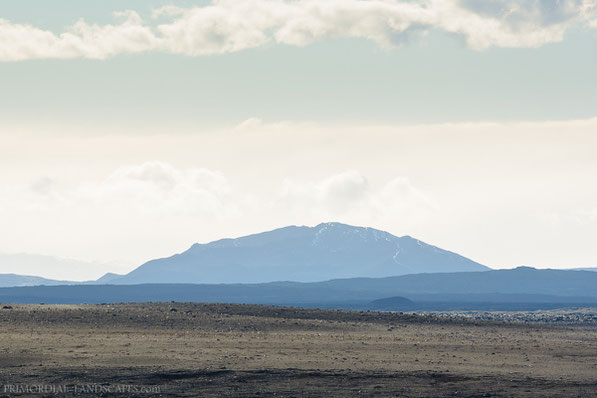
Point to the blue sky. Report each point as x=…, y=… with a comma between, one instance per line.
x=437, y=78
x=468, y=124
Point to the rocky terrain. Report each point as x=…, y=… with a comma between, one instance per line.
x=213, y=350
x=586, y=317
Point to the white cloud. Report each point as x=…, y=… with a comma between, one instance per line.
x=42, y=185
x=337, y=195
x=251, y=123
x=226, y=26
x=82, y=40
x=349, y=197
x=401, y=196
x=157, y=188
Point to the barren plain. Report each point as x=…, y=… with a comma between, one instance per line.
x=214, y=350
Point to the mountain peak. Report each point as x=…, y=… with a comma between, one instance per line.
x=334, y=224
x=336, y=233
x=108, y=277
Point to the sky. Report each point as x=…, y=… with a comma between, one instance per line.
x=131, y=130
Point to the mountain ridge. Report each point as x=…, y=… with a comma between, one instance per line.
x=302, y=254
x=327, y=251
x=514, y=289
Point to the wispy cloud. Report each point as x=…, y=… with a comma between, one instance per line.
x=226, y=26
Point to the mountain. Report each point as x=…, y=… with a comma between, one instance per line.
x=521, y=280
x=54, y=268
x=7, y=280
x=517, y=289
x=14, y=280
x=107, y=278
x=301, y=254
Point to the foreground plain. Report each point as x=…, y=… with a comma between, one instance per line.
x=190, y=349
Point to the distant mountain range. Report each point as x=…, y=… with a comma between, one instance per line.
x=8, y=280
x=328, y=251
x=517, y=289
x=301, y=254
x=56, y=270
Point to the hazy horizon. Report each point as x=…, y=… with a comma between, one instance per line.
x=61, y=268
x=128, y=132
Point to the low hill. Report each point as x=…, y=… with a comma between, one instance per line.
x=392, y=304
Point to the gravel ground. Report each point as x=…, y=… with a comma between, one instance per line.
x=225, y=350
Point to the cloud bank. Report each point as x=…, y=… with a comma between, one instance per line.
x=505, y=194
x=157, y=204
x=226, y=26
